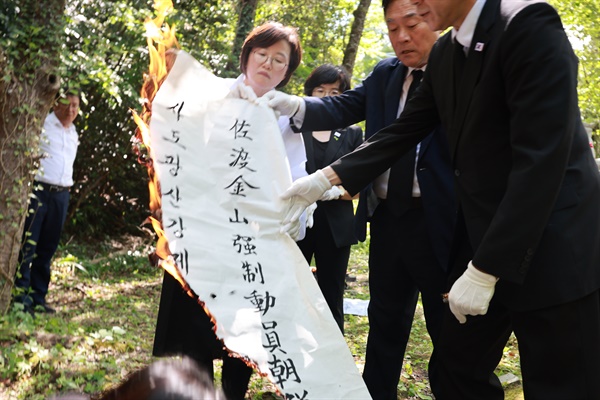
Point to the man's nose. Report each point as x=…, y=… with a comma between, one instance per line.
x=403, y=35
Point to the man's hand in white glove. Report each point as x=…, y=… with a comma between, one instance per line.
x=471, y=293
x=334, y=193
x=242, y=91
x=303, y=193
x=292, y=228
x=310, y=212
x=284, y=104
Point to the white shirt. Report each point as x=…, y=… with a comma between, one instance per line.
x=296, y=156
x=380, y=184
x=467, y=29
x=294, y=148
x=58, y=146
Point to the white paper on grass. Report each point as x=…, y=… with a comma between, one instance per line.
x=356, y=307
x=221, y=166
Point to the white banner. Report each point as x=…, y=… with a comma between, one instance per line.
x=221, y=166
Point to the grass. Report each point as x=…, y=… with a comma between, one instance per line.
x=107, y=298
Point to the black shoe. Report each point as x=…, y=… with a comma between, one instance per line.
x=17, y=304
x=28, y=308
x=350, y=278
x=44, y=308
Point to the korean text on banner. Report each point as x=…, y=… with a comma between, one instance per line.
x=221, y=166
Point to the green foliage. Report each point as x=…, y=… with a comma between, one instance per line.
x=324, y=34
x=374, y=44
x=26, y=45
x=107, y=297
x=104, y=53
x=581, y=22
x=206, y=31
x=104, y=326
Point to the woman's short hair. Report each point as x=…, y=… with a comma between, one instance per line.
x=326, y=73
x=267, y=35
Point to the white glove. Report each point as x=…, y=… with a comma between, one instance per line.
x=471, y=293
x=310, y=212
x=303, y=193
x=292, y=228
x=332, y=194
x=284, y=104
x=242, y=91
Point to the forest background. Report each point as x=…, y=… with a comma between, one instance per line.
x=99, y=47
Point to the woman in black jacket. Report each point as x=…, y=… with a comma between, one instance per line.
x=330, y=238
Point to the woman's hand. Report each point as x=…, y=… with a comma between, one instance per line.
x=242, y=91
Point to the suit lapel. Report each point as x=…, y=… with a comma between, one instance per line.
x=308, y=145
x=473, y=65
x=423, y=147
x=335, y=142
x=392, y=94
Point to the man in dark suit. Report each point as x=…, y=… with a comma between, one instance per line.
x=410, y=207
x=503, y=83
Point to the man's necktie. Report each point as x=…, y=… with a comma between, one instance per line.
x=459, y=63
x=417, y=75
x=400, y=183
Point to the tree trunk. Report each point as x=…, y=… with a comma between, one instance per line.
x=30, y=40
x=246, y=15
x=360, y=15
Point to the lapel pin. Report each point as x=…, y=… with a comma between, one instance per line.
x=336, y=135
x=478, y=46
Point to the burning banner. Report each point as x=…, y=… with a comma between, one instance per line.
x=217, y=168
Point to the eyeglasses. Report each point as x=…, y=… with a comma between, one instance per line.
x=278, y=62
x=320, y=92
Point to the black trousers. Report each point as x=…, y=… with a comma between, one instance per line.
x=401, y=264
x=559, y=348
x=331, y=263
x=41, y=237
x=235, y=375
x=183, y=328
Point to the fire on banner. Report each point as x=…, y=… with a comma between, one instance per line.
x=221, y=167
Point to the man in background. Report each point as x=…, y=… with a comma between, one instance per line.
x=47, y=208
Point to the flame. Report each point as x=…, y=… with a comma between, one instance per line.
x=161, y=43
